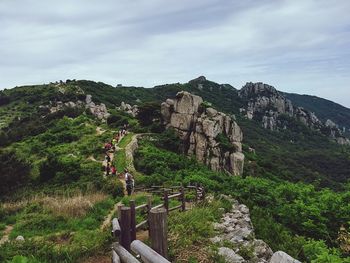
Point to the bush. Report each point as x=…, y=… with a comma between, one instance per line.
x=113, y=186
x=13, y=171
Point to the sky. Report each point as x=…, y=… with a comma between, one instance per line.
x=300, y=46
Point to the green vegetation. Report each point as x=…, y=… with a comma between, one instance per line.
x=295, y=181
x=191, y=231
x=286, y=215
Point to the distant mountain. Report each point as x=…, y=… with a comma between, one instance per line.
x=324, y=109
x=295, y=152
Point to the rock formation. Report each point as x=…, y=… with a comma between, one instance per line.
x=237, y=230
x=100, y=111
x=264, y=103
x=132, y=110
x=204, y=131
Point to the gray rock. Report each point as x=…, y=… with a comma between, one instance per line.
x=230, y=255
x=282, y=257
x=265, y=102
x=198, y=129
x=20, y=238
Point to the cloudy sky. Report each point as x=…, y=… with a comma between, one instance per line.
x=297, y=46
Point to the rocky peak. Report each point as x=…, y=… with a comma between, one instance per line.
x=266, y=104
x=212, y=136
x=251, y=89
x=198, y=80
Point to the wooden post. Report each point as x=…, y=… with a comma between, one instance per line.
x=149, y=203
x=183, y=201
x=132, y=220
x=166, y=200
x=158, y=231
x=119, y=208
x=125, y=237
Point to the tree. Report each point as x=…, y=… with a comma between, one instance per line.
x=13, y=171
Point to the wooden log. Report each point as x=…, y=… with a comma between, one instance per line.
x=140, y=225
x=125, y=236
x=115, y=257
x=147, y=254
x=123, y=254
x=158, y=206
x=174, y=195
x=115, y=228
x=166, y=200
x=183, y=201
x=158, y=231
x=141, y=207
x=175, y=207
x=132, y=220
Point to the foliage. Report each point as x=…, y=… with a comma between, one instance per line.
x=225, y=143
x=13, y=171
x=148, y=113
x=290, y=211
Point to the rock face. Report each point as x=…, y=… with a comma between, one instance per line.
x=202, y=130
x=237, y=230
x=264, y=103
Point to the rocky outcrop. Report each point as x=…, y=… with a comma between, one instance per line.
x=99, y=111
x=132, y=110
x=264, y=103
x=237, y=239
x=213, y=137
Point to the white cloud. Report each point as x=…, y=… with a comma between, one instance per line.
x=298, y=46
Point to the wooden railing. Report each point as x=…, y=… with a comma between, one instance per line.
x=124, y=227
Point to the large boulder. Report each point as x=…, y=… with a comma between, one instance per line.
x=199, y=128
x=282, y=257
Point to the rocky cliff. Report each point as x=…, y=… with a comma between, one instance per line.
x=264, y=103
x=213, y=137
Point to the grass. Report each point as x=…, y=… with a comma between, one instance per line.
x=119, y=156
x=189, y=233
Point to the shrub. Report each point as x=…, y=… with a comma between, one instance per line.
x=13, y=171
x=113, y=186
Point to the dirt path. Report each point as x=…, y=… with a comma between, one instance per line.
x=107, y=222
x=6, y=235
x=99, y=130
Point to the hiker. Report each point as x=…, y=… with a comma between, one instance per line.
x=108, y=169
x=113, y=170
x=107, y=158
x=108, y=146
x=129, y=180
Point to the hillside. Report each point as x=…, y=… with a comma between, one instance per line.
x=295, y=179
x=324, y=109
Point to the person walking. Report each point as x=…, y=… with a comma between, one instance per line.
x=129, y=181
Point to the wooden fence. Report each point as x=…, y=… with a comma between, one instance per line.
x=124, y=227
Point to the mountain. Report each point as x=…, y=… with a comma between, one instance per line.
x=324, y=109
x=294, y=179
